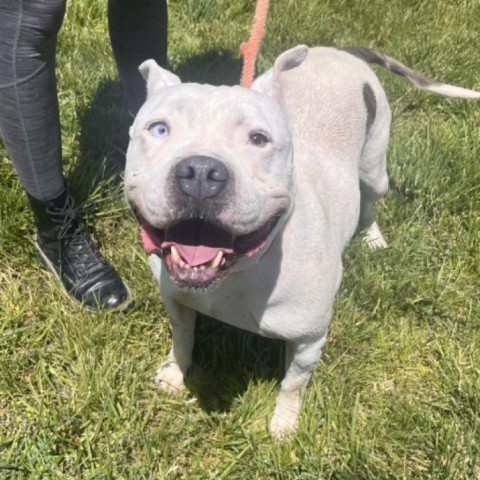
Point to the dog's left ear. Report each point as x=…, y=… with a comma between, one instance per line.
x=271, y=82
x=156, y=77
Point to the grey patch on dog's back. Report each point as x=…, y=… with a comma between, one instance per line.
x=370, y=104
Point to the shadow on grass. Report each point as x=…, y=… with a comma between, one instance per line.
x=226, y=360
x=215, y=68
x=103, y=141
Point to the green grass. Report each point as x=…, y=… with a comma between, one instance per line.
x=397, y=393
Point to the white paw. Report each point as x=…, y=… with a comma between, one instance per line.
x=373, y=237
x=281, y=426
x=285, y=416
x=169, y=377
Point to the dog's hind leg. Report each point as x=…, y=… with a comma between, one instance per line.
x=368, y=226
x=373, y=172
x=170, y=375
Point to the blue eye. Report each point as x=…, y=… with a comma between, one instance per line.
x=158, y=129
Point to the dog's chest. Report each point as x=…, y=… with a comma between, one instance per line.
x=242, y=304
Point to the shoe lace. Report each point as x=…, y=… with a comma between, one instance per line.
x=73, y=234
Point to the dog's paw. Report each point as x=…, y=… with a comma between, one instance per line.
x=285, y=417
x=281, y=426
x=373, y=237
x=169, y=377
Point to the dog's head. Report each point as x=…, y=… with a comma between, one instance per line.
x=209, y=175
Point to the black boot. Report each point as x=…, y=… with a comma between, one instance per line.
x=68, y=251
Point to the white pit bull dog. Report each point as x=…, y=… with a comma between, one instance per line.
x=248, y=197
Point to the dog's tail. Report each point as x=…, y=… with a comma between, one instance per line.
x=374, y=56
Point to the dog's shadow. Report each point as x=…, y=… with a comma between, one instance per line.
x=226, y=359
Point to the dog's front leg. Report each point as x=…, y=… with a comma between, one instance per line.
x=170, y=375
x=301, y=359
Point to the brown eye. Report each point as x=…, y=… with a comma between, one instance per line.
x=259, y=139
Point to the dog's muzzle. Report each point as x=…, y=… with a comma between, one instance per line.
x=197, y=249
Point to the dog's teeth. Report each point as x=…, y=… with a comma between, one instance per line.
x=216, y=261
x=175, y=255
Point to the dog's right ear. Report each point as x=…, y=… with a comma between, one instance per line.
x=156, y=77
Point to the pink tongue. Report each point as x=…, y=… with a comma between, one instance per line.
x=196, y=255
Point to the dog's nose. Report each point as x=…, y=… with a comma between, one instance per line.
x=201, y=177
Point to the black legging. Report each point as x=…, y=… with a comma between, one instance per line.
x=29, y=117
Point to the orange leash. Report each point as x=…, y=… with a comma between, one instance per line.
x=250, y=49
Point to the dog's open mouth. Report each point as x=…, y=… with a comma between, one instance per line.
x=197, y=253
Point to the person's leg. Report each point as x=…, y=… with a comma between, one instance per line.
x=30, y=127
x=138, y=31
x=29, y=121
